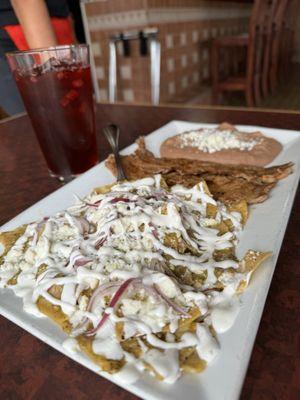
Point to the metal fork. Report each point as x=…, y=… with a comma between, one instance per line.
x=112, y=133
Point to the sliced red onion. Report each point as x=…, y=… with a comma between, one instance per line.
x=80, y=262
x=84, y=224
x=75, y=254
x=100, y=242
x=77, y=259
x=202, y=317
x=210, y=290
x=117, y=296
x=159, y=195
x=171, y=303
x=138, y=284
x=154, y=230
x=34, y=238
x=81, y=224
x=155, y=292
x=119, y=199
x=96, y=204
x=42, y=222
x=101, y=290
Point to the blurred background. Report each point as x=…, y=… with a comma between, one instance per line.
x=217, y=52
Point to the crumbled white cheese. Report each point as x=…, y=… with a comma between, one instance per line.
x=14, y=255
x=64, y=232
x=155, y=315
x=147, y=243
x=197, y=299
x=168, y=286
x=25, y=266
x=206, y=222
x=61, y=249
x=42, y=247
x=131, y=307
x=112, y=265
x=83, y=302
x=211, y=140
x=29, y=256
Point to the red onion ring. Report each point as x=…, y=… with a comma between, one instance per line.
x=96, y=204
x=154, y=230
x=81, y=224
x=171, y=303
x=119, y=199
x=100, y=292
x=100, y=242
x=117, y=296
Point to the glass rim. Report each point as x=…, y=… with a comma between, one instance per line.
x=46, y=49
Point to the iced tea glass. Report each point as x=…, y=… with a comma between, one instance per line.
x=56, y=88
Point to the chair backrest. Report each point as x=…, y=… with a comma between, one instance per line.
x=275, y=42
x=256, y=16
x=292, y=13
x=278, y=23
x=287, y=39
x=279, y=14
x=258, y=26
x=267, y=47
x=255, y=28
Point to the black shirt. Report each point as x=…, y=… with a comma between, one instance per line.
x=56, y=8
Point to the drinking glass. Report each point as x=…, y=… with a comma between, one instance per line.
x=56, y=88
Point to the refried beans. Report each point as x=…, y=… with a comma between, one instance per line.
x=224, y=144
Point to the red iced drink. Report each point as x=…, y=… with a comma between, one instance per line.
x=58, y=97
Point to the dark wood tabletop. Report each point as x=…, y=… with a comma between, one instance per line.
x=29, y=369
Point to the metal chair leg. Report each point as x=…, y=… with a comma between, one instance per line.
x=155, y=58
x=112, y=74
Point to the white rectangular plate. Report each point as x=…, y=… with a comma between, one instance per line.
x=264, y=231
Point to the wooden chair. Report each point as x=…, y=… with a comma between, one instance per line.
x=265, y=84
x=260, y=48
x=253, y=43
x=287, y=40
x=276, y=45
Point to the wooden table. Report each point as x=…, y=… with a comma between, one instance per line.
x=29, y=369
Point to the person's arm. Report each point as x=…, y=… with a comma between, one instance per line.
x=35, y=21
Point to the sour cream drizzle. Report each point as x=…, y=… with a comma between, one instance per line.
x=122, y=235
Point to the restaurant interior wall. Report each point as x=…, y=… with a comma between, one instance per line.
x=186, y=28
